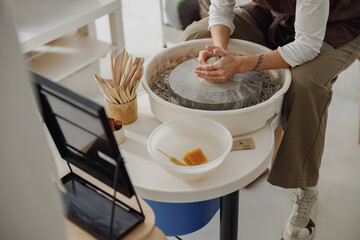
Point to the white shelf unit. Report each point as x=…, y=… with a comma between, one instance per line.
x=60, y=61
x=61, y=40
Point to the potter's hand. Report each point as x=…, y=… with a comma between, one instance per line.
x=219, y=71
x=205, y=55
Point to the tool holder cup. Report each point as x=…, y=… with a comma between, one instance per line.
x=125, y=112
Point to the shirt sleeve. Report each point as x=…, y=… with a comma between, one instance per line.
x=221, y=12
x=310, y=25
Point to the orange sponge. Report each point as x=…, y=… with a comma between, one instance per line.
x=195, y=157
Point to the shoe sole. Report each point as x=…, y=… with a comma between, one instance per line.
x=311, y=237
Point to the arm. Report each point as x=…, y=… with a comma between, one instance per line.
x=310, y=26
x=221, y=26
x=220, y=35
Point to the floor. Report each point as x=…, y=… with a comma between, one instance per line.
x=264, y=208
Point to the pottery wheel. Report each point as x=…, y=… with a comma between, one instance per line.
x=194, y=92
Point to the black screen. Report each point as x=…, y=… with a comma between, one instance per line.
x=92, y=210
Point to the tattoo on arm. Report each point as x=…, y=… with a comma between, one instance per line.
x=260, y=60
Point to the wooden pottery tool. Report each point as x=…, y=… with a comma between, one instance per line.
x=172, y=159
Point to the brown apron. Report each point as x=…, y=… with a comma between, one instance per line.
x=276, y=20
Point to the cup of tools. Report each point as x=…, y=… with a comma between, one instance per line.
x=126, y=112
x=120, y=91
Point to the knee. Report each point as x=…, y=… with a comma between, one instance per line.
x=304, y=82
x=196, y=30
x=307, y=89
x=305, y=97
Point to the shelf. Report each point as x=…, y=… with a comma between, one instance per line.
x=39, y=22
x=60, y=61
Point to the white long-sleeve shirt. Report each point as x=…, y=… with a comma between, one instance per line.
x=310, y=26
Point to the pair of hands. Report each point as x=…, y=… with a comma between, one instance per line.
x=221, y=70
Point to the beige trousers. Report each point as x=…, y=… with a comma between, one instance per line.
x=305, y=105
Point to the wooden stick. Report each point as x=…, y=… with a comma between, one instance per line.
x=118, y=67
x=110, y=93
x=141, y=74
x=103, y=90
x=107, y=93
x=133, y=80
x=116, y=94
x=100, y=83
x=129, y=76
x=136, y=75
x=136, y=61
x=127, y=68
x=129, y=64
x=126, y=82
x=113, y=90
x=110, y=82
x=123, y=80
x=133, y=92
x=128, y=94
x=106, y=83
x=123, y=95
x=119, y=94
x=112, y=64
x=125, y=60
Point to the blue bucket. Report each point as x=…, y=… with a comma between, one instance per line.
x=176, y=219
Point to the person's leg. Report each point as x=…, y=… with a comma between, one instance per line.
x=304, y=120
x=196, y=30
x=245, y=28
x=304, y=116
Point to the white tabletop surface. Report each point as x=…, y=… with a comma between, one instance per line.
x=153, y=182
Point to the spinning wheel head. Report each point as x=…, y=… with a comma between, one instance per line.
x=194, y=92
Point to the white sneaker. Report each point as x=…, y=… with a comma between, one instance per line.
x=300, y=225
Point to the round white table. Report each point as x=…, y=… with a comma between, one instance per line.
x=239, y=169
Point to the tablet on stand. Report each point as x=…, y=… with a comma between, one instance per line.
x=83, y=137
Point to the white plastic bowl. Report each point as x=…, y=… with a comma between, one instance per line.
x=179, y=136
x=238, y=121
